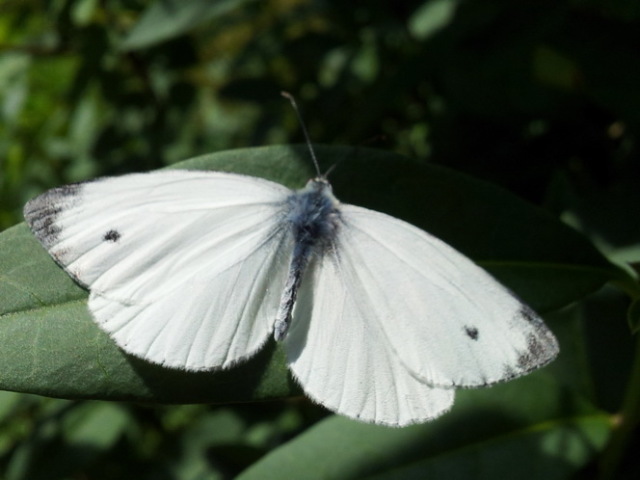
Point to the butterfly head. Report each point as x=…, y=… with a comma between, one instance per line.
x=320, y=186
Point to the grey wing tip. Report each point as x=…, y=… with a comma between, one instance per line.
x=41, y=213
x=56, y=197
x=542, y=345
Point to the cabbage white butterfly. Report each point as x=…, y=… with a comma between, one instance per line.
x=195, y=270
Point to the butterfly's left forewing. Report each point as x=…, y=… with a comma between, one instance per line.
x=184, y=268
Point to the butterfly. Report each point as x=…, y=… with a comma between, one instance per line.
x=196, y=270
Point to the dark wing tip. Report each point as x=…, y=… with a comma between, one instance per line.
x=41, y=213
x=542, y=345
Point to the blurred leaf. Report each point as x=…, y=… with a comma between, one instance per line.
x=14, y=69
x=8, y=400
x=501, y=432
x=431, y=16
x=83, y=11
x=555, y=69
x=166, y=19
x=633, y=316
x=95, y=425
x=53, y=348
x=605, y=52
x=69, y=442
x=222, y=427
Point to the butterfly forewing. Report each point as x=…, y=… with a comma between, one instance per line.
x=185, y=268
x=447, y=320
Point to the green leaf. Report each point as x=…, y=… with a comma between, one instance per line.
x=432, y=17
x=69, y=442
x=530, y=428
x=51, y=346
x=166, y=19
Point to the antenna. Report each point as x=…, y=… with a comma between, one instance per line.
x=289, y=97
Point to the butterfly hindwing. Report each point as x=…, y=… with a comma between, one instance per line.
x=344, y=361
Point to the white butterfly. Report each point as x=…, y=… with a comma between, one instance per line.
x=195, y=270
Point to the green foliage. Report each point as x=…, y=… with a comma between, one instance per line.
x=539, y=97
x=511, y=442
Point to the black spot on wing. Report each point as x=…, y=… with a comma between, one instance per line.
x=111, y=236
x=472, y=332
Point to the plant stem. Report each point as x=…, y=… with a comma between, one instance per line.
x=627, y=421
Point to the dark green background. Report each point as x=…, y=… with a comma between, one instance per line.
x=539, y=98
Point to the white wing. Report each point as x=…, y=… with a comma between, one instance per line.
x=185, y=268
x=444, y=318
x=342, y=358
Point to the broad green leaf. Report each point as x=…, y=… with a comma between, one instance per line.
x=502, y=432
x=51, y=346
x=165, y=19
